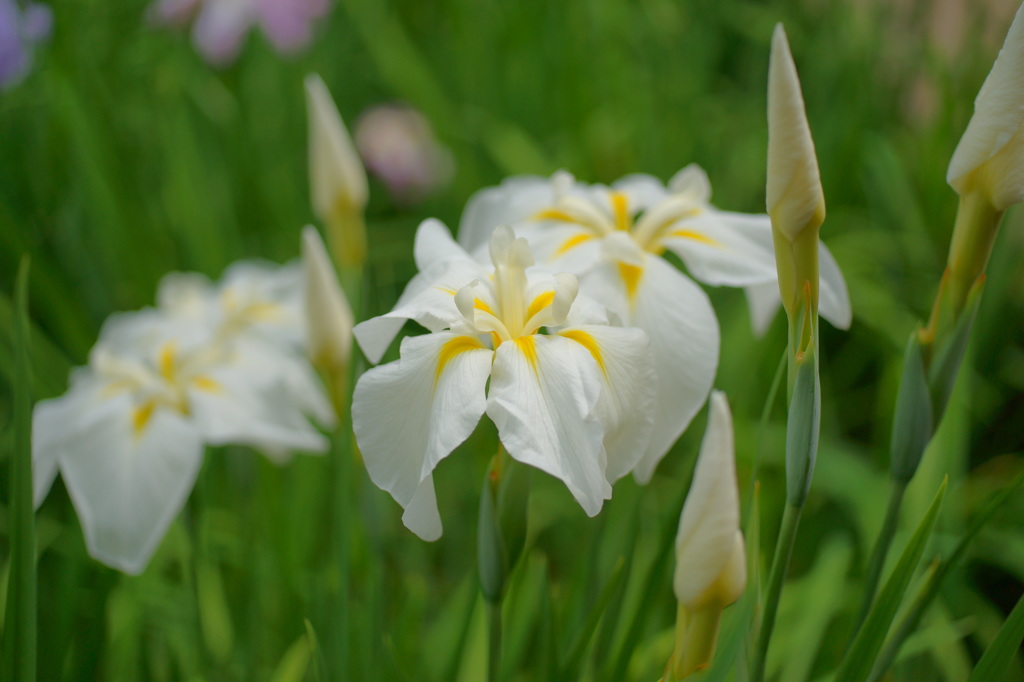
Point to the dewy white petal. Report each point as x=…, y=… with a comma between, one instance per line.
x=995, y=128
x=794, y=195
x=410, y=414
x=335, y=171
x=709, y=522
x=680, y=322
x=543, y=398
x=627, y=405
x=328, y=315
x=421, y=515
x=127, y=484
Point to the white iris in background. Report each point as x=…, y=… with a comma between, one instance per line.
x=211, y=366
x=575, y=402
x=613, y=238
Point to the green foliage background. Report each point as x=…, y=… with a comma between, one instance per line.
x=124, y=156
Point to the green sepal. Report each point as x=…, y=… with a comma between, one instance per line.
x=802, y=428
x=913, y=422
x=949, y=352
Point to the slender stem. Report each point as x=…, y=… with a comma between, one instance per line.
x=780, y=565
x=493, y=640
x=21, y=591
x=879, y=553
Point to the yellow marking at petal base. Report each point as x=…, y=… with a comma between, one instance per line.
x=482, y=305
x=207, y=384
x=528, y=345
x=141, y=417
x=263, y=311
x=631, y=275
x=447, y=290
x=540, y=303
x=166, y=361
x=572, y=242
x=620, y=209
x=115, y=387
x=590, y=343
x=451, y=349
x=695, y=236
x=554, y=214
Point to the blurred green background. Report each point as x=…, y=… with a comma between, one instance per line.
x=124, y=156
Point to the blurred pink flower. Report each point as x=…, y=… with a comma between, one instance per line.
x=398, y=145
x=20, y=29
x=220, y=25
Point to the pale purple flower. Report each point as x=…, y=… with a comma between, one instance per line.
x=398, y=145
x=220, y=26
x=19, y=30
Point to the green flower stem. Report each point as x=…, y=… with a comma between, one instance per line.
x=21, y=591
x=493, y=640
x=780, y=565
x=879, y=553
x=974, y=233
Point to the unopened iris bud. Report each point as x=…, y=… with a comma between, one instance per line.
x=328, y=315
x=795, y=201
x=336, y=175
x=711, y=564
x=987, y=168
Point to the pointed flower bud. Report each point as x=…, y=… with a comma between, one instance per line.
x=336, y=175
x=794, y=197
x=328, y=316
x=990, y=156
x=710, y=554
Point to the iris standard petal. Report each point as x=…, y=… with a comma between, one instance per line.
x=514, y=200
x=723, y=248
x=410, y=414
x=543, y=398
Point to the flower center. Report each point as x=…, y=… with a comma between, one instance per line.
x=508, y=306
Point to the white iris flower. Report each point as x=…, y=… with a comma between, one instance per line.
x=613, y=238
x=575, y=402
x=212, y=366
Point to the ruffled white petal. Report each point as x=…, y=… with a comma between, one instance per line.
x=722, y=248
x=627, y=405
x=410, y=414
x=128, y=485
x=709, y=523
x=543, y=398
x=683, y=330
x=641, y=190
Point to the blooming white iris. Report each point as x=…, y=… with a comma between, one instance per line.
x=613, y=238
x=210, y=366
x=575, y=402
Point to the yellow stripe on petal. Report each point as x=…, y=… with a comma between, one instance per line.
x=695, y=236
x=528, y=345
x=572, y=242
x=554, y=214
x=447, y=290
x=482, y=305
x=586, y=340
x=451, y=349
x=166, y=362
x=204, y=383
x=540, y=303
x=631, y=275
x=620, y=210
x=141, y=417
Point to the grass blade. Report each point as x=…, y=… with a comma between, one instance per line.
x=21, y=597
x=857, y=664
x=1002, y=650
